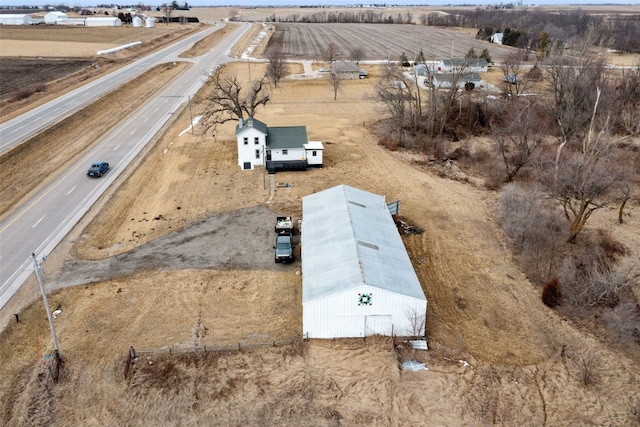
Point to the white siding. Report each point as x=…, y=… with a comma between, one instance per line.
x=314, y=154
x=340, y=315
x=247, y=152
x=15, y=19
x=278, y=155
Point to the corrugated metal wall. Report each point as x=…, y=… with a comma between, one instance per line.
x=344, y=316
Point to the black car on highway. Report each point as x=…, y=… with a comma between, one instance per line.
x=98, y=169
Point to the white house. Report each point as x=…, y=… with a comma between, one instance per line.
x=346, y=70
x=463, y=65
x=497, y=38
x=446, y=80
x=284, y=147
x=15, y=19
x=357, y=279
x=53, y=17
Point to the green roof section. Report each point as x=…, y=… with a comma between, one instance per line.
x=287, y=137
x=251, y=123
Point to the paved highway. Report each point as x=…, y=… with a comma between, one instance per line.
x=19, y=129
x=41, y=223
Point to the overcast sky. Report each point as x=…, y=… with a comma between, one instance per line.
x=298, y=2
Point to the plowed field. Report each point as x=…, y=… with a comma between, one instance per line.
x=380, y=41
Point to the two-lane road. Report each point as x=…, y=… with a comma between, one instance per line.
x=41, y=223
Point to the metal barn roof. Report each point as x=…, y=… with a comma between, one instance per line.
x=349, y=239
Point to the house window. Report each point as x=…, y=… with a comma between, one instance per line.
x=256, y=140
x=285, y=152
x=245, y=140
x=314, y=153
x=257, y=154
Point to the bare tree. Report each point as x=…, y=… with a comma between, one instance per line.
x=575, y=85
x=357, y=54
x=417, y=321
x=276, y=65
x=394, y=92
x=628, y=100
x=518, y=138
x=604, y=284
x=167, y=8
x=514, y=77
x=336, y=82
x=582, y=185
x=332, y=53
x=229, y=101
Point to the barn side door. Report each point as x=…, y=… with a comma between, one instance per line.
x=377, y=324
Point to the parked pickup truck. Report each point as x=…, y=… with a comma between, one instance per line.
x=284, y=225
x=284, y=248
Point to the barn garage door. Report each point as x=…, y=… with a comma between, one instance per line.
x=378, y=324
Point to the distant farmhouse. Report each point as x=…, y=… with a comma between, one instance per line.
x=464, y=65
x=347, y=70
x=446, y=80
x=284, y=147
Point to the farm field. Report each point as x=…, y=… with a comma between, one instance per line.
x=152, y=271
x=380, y=41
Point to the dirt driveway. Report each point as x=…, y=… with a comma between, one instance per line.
x=238, y=240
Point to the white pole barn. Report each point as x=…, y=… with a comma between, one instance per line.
x=357, y=278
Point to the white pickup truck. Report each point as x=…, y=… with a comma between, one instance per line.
x=284, y=225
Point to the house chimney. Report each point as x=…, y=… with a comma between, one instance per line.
x=240, y=124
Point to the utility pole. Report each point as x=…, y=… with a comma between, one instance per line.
x=40, y=276
x=191, y=114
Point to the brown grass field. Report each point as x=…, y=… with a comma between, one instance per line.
x=497, y=355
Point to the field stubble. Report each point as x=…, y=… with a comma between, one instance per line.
x=510, y=340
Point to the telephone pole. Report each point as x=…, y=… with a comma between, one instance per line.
x=40, y=276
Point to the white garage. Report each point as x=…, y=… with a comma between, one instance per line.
x=357, y=278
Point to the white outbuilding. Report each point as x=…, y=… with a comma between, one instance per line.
x=54, y=17
x=357, y=278
x=136, y=21
x=15, y=19
x=106, y=21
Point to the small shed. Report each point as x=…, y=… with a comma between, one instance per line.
x=314, y=151
x=53, y=17
x=15, y=19
x=497, y=38
x=345, y=70
x=357, y=278
x=107, y=21
x=136, y=21
x=150, y=22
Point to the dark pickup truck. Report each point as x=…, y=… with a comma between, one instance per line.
x=98, y=169
x=284, y=248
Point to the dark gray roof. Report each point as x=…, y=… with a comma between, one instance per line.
x=251, y=122
x=449, y=77
x=466, y=62
x=287, y=137
x=345, y=67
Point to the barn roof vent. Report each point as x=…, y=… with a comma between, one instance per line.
x=368, y=245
